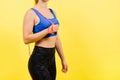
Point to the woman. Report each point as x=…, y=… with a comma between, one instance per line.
x=40, y=25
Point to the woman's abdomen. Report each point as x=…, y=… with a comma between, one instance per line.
x=46, y=42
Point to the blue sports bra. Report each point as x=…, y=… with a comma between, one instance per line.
x=44, y=22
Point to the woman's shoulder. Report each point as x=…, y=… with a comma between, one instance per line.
x=29, y=12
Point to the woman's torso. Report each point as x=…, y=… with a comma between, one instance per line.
x=46, y=41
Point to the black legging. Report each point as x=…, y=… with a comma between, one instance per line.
x=41, y=63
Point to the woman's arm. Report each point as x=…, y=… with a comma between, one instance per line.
x=59, y=49
x=28, y=24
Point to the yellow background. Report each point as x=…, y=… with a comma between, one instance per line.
x=89, y=31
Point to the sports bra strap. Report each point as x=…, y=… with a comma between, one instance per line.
x=52, y=12
x=37, y=13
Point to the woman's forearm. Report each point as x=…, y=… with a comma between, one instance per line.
x=59, y=48
x=35, y=37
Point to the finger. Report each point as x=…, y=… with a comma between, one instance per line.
x=50, y=29
x=55, y=28
x=64, y=69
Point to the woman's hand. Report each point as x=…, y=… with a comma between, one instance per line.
x=53, y=28
x=64, y=66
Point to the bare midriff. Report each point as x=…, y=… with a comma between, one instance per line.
x=48, y=42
